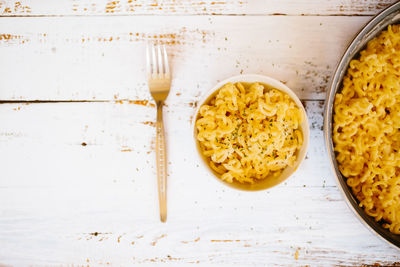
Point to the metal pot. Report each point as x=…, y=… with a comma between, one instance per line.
x=390, y=15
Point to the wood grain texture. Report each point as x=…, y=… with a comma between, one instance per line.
x=190, y=7
x=96, y=58
x=78, y=186
x=77, y=135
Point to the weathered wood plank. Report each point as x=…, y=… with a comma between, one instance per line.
x=77, y=182
x=188, y=7
x=78, y=187
x=121, y=127
x=103, y=57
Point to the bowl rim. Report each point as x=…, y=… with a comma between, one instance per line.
x=252, y=78
x=390, y=15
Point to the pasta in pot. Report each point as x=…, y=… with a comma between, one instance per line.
x=249, y=132
x=366, y=128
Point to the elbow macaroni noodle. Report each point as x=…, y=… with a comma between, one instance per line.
x=366, y=128
x=248, y=133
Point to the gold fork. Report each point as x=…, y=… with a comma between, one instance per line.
x=159, y=79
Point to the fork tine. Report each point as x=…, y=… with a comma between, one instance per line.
x=154, y=62
x=166, y=65
x=148, y=62
x=160, y=63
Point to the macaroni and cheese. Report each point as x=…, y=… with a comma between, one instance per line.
x=366, y=128
x=249, y=132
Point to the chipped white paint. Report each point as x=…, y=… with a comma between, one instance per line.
x=78, y=179
x=190, y=7
x=43, y=62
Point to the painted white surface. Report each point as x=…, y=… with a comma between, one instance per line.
x=46, y=63
x=77, y=179
x=191, y=7
x=54, y=192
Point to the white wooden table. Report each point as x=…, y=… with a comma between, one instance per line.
x=77, y=160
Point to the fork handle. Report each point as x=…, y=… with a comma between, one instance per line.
x=161, y=157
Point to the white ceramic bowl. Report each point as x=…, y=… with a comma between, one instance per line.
x=269, y=181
